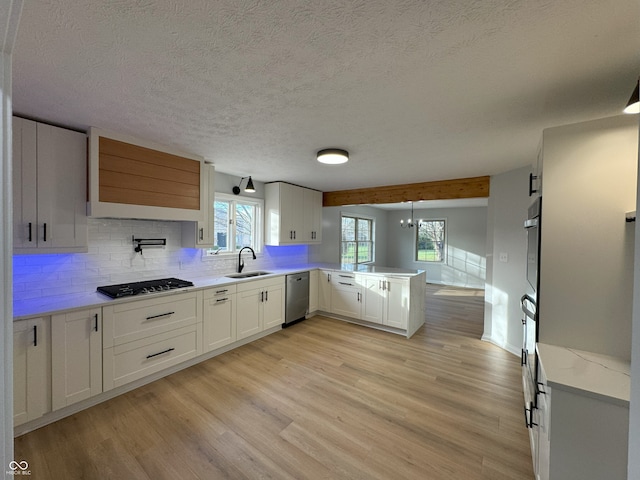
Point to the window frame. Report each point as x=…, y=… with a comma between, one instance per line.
x=445, y=240
x=371, y=242
x=257, y=229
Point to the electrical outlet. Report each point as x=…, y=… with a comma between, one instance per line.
x=504, y=257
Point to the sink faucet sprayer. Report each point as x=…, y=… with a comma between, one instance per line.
x=240, y=261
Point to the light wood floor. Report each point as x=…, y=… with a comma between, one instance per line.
x=323, y=399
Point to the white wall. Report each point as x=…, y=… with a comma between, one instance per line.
x=586, y=271
x=329, y=250
x=506, y=281
x=466, y=228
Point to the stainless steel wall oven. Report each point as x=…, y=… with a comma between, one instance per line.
x=530, y=303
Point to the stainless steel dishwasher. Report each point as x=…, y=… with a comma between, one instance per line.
x=297, y=295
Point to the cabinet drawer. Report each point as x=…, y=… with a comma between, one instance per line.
x=131, y=361
x=258, y=284
x=221, y=291
x=343, y=279
x=136, y=320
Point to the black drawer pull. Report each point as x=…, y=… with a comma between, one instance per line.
x=35, y=335
x=96, y=325
x=221, y=291
x=160, y=353
x=161, y=315
x=346, y=276
x=343, y=283
x=45, y=232
x=222, y=299
x=30, y=236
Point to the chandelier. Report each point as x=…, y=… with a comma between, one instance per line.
x=409, y=223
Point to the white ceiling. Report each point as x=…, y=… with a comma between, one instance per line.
x=416, y=90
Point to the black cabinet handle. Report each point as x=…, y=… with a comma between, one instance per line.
x=45, y=232
x=30, y=235
x=96, y=322
x=266, y=295
x=222, y=299
x=202, y=234
x=344, y=283
x=523, y=357
x=221, y=291
x=161, y=315
x=35, y=335
x=532, y=177
x=160, y=353
x=262, y=296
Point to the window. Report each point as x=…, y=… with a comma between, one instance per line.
x=357, y=240
x=430, y=241
x=237, y=223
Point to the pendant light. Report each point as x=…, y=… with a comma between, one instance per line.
x=410, y=223
x=333, y=156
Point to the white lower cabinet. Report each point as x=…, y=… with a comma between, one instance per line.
x=143, y=337
x=396, y=302
x=31, y=369
x=582, y=434
x=76, y=356
x=260, y=306
x=346, y=295
x=324, y=290
x=219, y=317
x=314, y=279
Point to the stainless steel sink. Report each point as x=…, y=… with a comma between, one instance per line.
x=257, y=273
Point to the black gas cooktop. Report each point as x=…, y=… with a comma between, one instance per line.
x=149, y=286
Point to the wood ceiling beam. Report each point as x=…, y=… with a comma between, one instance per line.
x=473, y=187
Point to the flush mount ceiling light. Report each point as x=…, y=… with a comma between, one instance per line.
x=633, y=105
x=333, y=156
x=249, y=188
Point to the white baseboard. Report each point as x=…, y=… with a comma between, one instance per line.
x=505, y=346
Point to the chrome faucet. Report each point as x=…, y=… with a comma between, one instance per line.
x=240, y=261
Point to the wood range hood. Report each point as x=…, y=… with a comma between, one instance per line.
x=473, y=187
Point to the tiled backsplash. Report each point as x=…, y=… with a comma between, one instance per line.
x=111, y=259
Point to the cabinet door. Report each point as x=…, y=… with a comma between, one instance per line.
x=324, y=291
x=396, y=292
x=346, y=297
x=291, y=214
x=314, y=285
x=76, y=356
x=25, y=189
x=200, y=234
x=62, y=180
x=273, y=306
x=312, y=216
x=219, y=321
x=31, y=370
x=372, y=298
x=249, y=310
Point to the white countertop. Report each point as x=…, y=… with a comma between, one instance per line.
x=600, y=376
x=51, y=305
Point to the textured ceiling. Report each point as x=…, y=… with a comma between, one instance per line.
x=416, y=90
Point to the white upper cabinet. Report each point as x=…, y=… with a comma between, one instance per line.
x=200, y=234
x=49, y=188
x=293, y=214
